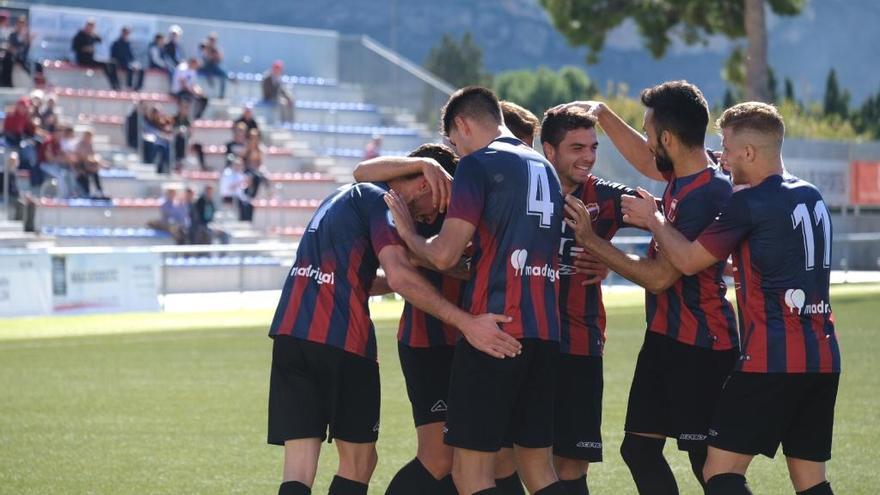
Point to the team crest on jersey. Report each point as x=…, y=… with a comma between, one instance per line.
x=672, y=210
x=593, y=210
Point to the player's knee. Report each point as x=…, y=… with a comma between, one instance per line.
x=569, y=469
x=358, y=464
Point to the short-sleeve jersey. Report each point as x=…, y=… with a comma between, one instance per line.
x=324, y=299
x=420, y=329
x=581, y=312
x=694, y=310
x=512, y=196
x=779, y=232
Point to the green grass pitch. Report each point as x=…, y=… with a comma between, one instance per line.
x=176, y=404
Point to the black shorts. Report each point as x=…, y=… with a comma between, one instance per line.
x=758, y=411
x=314, y=387
x=675, y=388
x=493, y=402
x=578, y=410
x=426, y=371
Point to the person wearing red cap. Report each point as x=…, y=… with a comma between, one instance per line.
x=275, y=93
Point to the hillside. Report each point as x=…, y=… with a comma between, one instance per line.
x=517, y=34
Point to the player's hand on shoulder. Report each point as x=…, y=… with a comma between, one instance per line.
x=589, y=265
x=483, y=334
x=639, y=210
x=403, y=220
x=578, y=218
x=440, y=182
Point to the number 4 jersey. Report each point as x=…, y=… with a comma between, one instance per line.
x=780, y=234
x=512, y=196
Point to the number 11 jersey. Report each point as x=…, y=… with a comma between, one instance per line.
x=780, y=234
x=512, y=196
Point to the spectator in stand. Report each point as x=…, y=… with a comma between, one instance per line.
x=174, y=217
x=247, y=118
x=275, y=94
x=232, y=180
x=235, y=148
x=373, y=148
x=172, y=50
x=157, y=139
x=53, y=162
x=212, y=57
x=22, y=203
x=132, y=126
x=88, y=165
x=182, y=133
x=123, y=57
x=17, y=47
x=156, y=56
x=245, y=199
x=5, y=27
x=202, y=231
x=253, y=151
x=83, y=47
x=185, y=86
x=20, y=42
x=19, y=129
x=49, y=108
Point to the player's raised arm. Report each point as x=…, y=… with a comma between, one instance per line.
x=481, y=331
x=631, y=143
x=435, y=162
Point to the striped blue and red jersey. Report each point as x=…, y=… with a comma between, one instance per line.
x=694, y=310
x=512, y=196
x=420, y=329
x=581, y=312
x=324, y=299
x=779, y=232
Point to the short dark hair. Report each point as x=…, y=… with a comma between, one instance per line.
x=471, y=101
x=521, y=122
x=755, y=116
x=442, y=154
x=557, y=123
x=680, y=108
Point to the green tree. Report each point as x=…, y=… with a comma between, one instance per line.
x=587, y=22
x=544, y=88
x=836, y=100
x=789, y=90
x=460, y=63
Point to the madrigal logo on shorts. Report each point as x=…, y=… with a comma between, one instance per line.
x=518, y=260
x=314, y=273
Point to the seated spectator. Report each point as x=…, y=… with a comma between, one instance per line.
x=55, y=163
x=83, y=47
x=172, y=50
x=157, y=137
x=20, y=131
x=156, y=56
x=123, y=58
x=87, y=166
x=202, y=212
x=174, y=217
x=247, y=118
x=212, y=57
x=275, y=94
x=49, y=108
x=7, y=58
x=373, y=148
x=132, y=126
x=235, y=148
x=253, y=151
x=185, y=86
x=232, y=180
